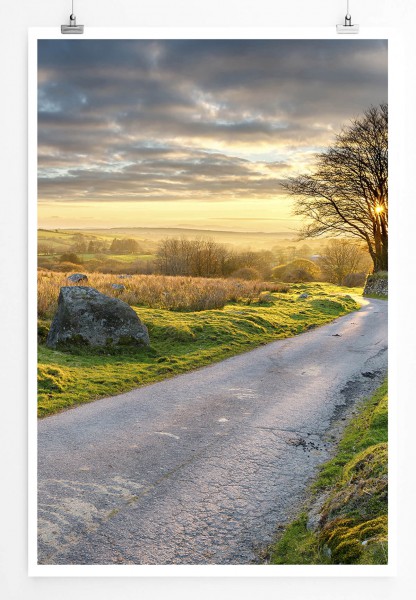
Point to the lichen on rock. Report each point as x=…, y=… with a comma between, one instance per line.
x=377, y=284
x=87, y=317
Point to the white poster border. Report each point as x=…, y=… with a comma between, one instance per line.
x=396, y=133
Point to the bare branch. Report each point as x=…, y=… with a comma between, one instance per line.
x=347, y=193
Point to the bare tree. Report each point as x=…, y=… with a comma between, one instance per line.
x=347, y=192
x=196, y=258
x=342, y=258
x=171, y=259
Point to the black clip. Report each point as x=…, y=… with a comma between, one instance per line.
x=72, y=27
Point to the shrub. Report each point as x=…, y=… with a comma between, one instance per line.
x=67, y=267
x=297, y=271
x=70, y=257
x=355, y=280
x=246, y=273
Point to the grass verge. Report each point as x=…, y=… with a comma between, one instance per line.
x=182, y=341
x=377, y=296
x=352, y=525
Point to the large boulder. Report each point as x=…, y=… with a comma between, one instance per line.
x=85, y=316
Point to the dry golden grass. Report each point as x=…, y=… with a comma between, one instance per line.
x=156, y=291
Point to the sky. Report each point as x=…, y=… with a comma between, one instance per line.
x=192, y=133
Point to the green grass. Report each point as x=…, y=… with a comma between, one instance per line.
x=377, y=296
x=353, y=518
x=130, y=258
x=181, y=341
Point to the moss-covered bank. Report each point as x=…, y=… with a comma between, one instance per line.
x=350, y=497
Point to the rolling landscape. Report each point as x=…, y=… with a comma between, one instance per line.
x=212, y=290
x=52, y=244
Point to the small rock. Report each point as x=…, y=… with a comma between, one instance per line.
x=76, y=277
x=125, y=276
x=304, y=295
x=118, y=286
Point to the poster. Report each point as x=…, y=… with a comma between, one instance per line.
x=182, y=435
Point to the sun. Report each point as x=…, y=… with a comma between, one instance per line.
x=379, y=209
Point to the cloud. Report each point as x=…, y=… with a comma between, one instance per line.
x=149, y=119
x=170, y=174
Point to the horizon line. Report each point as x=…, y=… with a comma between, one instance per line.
x=164, y=228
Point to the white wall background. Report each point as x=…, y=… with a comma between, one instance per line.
x=16, y=18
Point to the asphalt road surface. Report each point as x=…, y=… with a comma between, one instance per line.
x=202, y=468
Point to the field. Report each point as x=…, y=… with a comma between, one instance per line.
x=181, y=339
x=125, y=258
x=96, y=250
x=158, y=291
x=62, y=239
x=353, y=517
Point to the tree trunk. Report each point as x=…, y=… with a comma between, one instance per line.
x=380, y=255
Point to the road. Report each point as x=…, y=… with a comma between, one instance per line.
x=202, y=468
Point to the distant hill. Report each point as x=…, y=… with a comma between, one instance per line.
x=245, y=239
